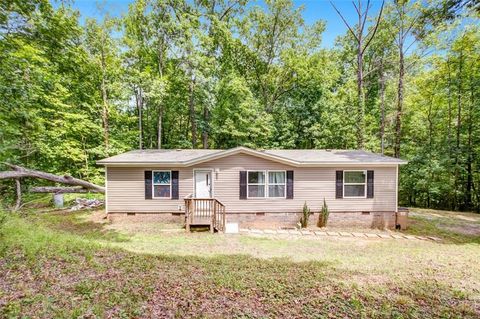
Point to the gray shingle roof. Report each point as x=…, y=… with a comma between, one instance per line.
x=186, y=157
x=319, y=156
x=158, y=156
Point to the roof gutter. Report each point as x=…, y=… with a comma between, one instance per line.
x=183, y=164
x=248, y=151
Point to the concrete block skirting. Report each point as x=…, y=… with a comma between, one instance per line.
x=378, y=220
x=169, y=218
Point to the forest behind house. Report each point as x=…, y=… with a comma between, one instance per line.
x=403, y=80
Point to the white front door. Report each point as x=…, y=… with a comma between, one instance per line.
x=203, y=184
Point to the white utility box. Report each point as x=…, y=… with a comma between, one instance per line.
x=231, y=228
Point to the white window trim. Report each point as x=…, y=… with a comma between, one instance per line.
x=266, y=184
x=364, y=184
x=275, y=184
x=153, y=184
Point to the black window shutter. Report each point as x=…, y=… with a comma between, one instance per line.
x=339, y=184
x=369, y=184
x=148, y=184
x=174, y=184
x=289, y=184
x=243, y=184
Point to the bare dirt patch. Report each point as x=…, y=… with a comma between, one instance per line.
x=130, y=225
x=450, y=226
x=468, y=218
x=471, y=230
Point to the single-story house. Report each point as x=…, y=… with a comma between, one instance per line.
x=254, y=188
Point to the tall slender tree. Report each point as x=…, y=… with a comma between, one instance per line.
x=362, y=40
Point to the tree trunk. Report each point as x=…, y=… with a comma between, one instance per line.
x=360, y=95
x=382, y=107
x=139, y=101
x=449, y=124
x=458, y=128
x=468, y=190
x=205, y=127
x=160, y=120
x=430, y=120
x=206, y=112
x=459, y=103
x=161, y=48
x=450, y=198
x=61, y=190
x=191, y=103
x=105, y=111
x=398, y=120
x=160, y=72
x=361, y=104
x=469, y=186
x=147, y=124
x=361, y=47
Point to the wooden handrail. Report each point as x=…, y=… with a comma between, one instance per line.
x=205, y=208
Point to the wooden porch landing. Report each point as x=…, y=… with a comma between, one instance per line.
x=204, y=212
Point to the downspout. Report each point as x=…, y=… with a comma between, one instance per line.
x=396, y=197
x=106, y=190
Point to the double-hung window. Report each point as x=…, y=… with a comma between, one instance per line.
x=276, y=184
x=354, y=184
x=261, y=184
x=256, y=184
x=162, y=184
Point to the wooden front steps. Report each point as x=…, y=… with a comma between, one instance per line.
x=204, y=212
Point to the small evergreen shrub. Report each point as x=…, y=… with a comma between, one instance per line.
x=323, y=216
x=305, y=216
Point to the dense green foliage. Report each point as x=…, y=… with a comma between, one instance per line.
x=218, y=74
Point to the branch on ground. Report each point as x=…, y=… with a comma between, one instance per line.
x=62, y=190
x=22, y=172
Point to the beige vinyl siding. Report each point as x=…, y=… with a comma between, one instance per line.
x=126, y=188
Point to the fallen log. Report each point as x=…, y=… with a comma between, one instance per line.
x=21, y=172
x=61, y=190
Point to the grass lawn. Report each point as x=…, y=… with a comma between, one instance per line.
x=64, y=265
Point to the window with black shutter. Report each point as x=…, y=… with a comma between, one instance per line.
x=148, y=184
x=243, y=185
x=289, y=184
x=175, y=185
x=370, y=183
x=339, y=184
